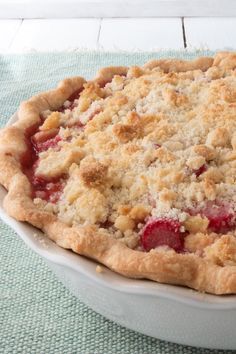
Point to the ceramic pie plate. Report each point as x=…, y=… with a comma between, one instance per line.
x=166, y=312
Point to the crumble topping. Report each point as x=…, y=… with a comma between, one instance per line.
x=147, y=147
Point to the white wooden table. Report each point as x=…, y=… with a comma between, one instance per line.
x=55, y=34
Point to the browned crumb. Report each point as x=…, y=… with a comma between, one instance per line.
x=93, y=173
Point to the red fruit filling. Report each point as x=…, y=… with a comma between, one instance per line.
x=163, y=232
x=46, y=190
x=75, y=95
x=157, y=146
x=103, y=83
x=40, y=141
x=33, y=128
x=29, y=156
x=77, y=124
x=49, y=190
x=43, y=140
x=106, y=224
x=45, y=145
x=200, y=170
x=93, y=114
x=220, y=215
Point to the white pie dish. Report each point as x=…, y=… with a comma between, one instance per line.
x=166, y=312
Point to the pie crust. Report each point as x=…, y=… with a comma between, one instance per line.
x=208, y=261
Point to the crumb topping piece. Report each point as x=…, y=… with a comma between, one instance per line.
x=92, y=172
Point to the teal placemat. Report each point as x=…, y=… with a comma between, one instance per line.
x=38, y=315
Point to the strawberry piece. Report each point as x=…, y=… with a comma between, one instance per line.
x=163, y=232
x=220, y=215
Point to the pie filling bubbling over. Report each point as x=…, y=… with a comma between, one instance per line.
x=150, y=159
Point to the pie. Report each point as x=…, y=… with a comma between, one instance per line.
x=135, y=169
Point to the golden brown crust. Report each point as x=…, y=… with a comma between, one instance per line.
x=174, y=65
x=163, y=266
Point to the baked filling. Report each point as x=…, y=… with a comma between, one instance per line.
x=136, y=170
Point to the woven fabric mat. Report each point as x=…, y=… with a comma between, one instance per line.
x=37, y=313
